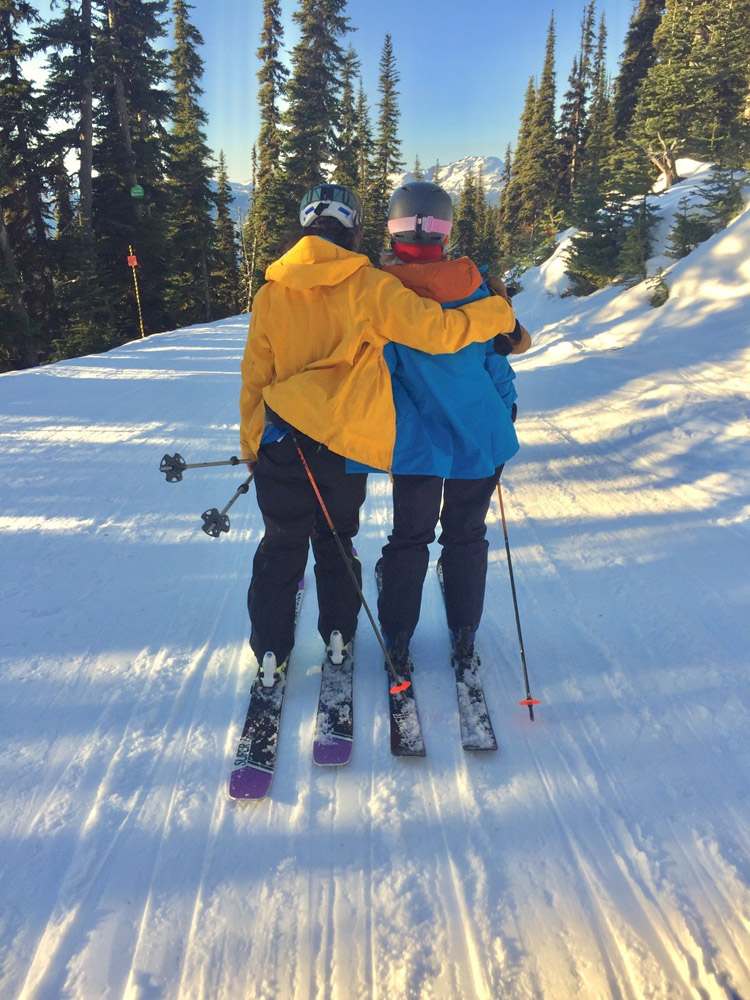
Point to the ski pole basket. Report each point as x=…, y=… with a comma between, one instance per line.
x=216, y=521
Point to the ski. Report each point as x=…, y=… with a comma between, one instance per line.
x=406, y=730
x=476, y=726
x=334, y=721
x=255, y=759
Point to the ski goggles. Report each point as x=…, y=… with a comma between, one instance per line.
x=333, y=200
x=419, y=224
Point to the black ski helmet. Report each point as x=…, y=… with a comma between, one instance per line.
x=420, y=212
x=335, y=201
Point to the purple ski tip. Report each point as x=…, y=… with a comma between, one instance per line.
x=332, y=750
x=248, y=782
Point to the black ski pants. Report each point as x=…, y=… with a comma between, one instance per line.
x=461, y=505
x=293, y=520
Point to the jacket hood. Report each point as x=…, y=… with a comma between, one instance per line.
x=313, y=262
x=442, y=280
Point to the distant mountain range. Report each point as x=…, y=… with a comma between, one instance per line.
x=243, y=195
x=451, y=177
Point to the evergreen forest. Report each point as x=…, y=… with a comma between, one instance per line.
x=117, y=219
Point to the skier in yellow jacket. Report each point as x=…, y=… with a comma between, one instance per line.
x=314, y=376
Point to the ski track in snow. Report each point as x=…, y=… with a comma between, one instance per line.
x=602, y=852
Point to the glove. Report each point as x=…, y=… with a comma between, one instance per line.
x=505, y=342
x=513, y=412
x=498, y=287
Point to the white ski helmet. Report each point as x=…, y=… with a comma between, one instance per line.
x=420, y=212
x=332, y=200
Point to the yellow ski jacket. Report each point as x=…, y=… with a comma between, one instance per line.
x=314, y=351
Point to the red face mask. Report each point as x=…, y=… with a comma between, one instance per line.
x=412, y=253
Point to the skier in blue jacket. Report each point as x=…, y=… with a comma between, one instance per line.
x=454, y=433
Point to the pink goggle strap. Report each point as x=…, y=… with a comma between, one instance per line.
x=429, y=225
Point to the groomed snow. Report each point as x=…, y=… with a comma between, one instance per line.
x=603, y=852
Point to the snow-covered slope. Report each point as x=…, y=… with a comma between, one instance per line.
x=601, y=853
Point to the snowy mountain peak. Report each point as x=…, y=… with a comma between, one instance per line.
x=452, y=176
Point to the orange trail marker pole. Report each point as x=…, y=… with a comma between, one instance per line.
x=133, y=263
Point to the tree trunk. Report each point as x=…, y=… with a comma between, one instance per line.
x=664, y=159
x=29, y=355
x=206, y=290
x=85, y=186
x=121, y=102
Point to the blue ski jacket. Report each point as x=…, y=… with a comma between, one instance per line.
x=452, y=410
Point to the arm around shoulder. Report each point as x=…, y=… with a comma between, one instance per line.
x=403, y=317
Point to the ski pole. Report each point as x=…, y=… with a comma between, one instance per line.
x=174, y=465
x=215, y=521
x=528, y=700
x=398, y=684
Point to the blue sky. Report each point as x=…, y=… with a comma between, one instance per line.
x=464, y=67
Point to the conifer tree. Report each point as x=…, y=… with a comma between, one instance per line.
x=637, y=244
x=593, y=256
x=637, y=59
x=312, y=116
x=436, y=173
x=464, y=235
x=485, y=243
x=529, y=201
x=387, y=143
x=573, y=123
x=723, y=134
x=541, y=180
x=85, y=307
x=16, y=347
x=513, y=201
x=190, y=229
x=689, y=229
x=368, y=190
x=418, y=175
x=249, y=236
x=346, y=156
x=595, y=160
x=130, y=138
x=722, y=196
x=26, y=169
x=268, y=215
x=507, y=167
x=670, y=93
x=694, y=96
x=225, y=275
x=68, y=92
x=364, y=141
